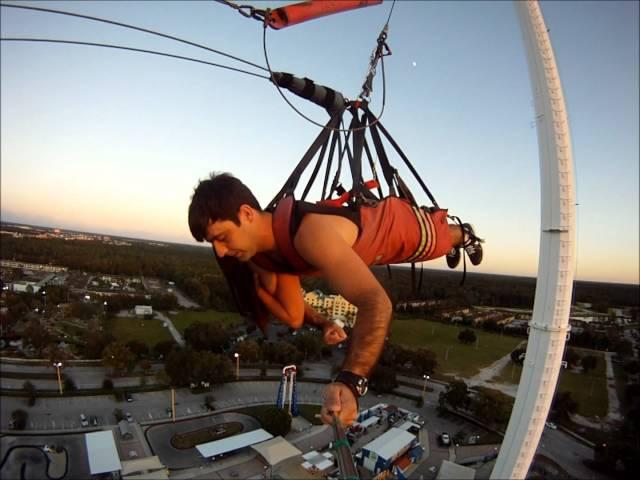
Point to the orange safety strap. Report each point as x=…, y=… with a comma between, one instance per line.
x=344, y=198
x=303, y=11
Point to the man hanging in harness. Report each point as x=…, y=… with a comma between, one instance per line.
x=263, y=253
x=338, y=243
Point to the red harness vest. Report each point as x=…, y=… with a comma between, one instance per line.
x=390, y=231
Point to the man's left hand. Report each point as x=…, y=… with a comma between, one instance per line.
x=333, y=334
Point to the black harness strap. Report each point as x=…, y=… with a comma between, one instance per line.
x=372, y=165
x=312, y=178
x=294, y=178
x=387, y=170
x=336, y=178
x=336, y=137
x=355, y=161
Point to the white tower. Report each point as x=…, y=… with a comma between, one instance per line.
x=549, y=325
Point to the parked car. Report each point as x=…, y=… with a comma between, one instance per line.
x=551, y=425
x=128, y=417
x=83, y=420
x=445, y=439
x=128, y=397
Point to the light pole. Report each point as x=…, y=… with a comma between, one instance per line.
x=44, y=297
x=424, y=388
x=237, y=355
x=58, y=366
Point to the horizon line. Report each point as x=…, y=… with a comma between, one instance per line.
x=203, y=245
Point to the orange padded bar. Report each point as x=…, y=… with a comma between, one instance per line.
x=303, y=11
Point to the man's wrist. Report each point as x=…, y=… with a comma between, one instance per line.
x=358, y=384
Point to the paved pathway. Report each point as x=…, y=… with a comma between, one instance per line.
x=614, y=414
x=172, y=329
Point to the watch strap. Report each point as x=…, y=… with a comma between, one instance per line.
x=351, y=380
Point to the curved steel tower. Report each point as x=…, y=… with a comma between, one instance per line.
x=549, y=325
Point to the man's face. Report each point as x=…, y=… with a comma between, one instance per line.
x=231, y=240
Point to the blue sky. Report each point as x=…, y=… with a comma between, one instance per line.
x=114, y=142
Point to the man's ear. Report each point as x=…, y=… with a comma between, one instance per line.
x=246, y=212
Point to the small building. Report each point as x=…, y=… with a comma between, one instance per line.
x=143, y=310
x=410, y=427
x=23, y=286
x=369, y=421
x=381, y=454
x=125, y=431
x=144, y=468
x=102, y=453
x=378, y=410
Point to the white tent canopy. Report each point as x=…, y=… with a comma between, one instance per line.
x=211, y=449
x=276, y=450
x=141, y=465
x=451, y=471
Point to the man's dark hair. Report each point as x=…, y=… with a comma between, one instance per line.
x=218, y=198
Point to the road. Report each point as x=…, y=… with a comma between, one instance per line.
x=91, y=377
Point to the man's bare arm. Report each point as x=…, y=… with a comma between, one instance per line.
x=282, y=296
x=320, y=245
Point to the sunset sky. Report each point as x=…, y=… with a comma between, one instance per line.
x=111, y=141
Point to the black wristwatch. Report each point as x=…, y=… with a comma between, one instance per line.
x=357, y=384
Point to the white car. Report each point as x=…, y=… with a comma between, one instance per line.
x=83, y=420
x=551, y=425
x=129, y=417
x=445, y=439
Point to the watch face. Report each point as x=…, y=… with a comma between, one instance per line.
x=362, y=386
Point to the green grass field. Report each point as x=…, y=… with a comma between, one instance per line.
x=132, y=328
x=183, y=319
x=454, y=358
x=589, y=390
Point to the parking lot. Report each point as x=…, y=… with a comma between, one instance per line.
x=67, y=413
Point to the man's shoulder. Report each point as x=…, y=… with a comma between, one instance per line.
x=315, y=228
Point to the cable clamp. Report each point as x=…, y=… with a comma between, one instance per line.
x=381, y=50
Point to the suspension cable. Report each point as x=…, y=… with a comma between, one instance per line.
x=132, y=27
x=120, y=47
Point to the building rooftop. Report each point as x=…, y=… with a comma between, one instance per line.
x=390, y=443
x=102, y=452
